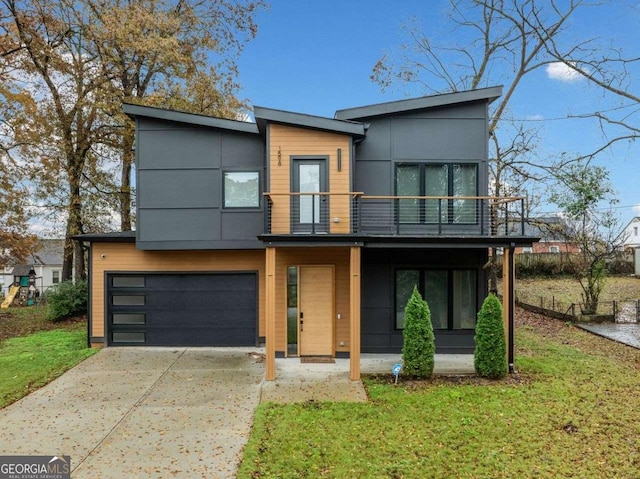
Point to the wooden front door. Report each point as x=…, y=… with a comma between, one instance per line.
x=315, y=311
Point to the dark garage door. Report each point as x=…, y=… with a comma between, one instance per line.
x=182, y=309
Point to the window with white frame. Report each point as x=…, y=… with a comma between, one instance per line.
x=554, y=249
x=55, y=276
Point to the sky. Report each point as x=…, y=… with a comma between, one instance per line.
x=316, y=56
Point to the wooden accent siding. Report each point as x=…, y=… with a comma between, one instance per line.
x=288, y=141
x=270, y=307
x=355, y=289
x=123, y=257
x=339, y=258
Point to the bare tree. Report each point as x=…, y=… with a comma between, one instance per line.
x=498, y=42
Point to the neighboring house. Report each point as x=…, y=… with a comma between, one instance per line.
x=46, y=262
x=302, y=232
x=550, y=231
x=631, y=234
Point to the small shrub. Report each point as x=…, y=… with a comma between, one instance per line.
x=67, y=299
x=418, y=349
x=490, y=357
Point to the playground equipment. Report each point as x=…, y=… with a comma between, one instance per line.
x=23, y=291
x=13, y=291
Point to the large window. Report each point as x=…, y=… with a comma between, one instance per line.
x=442, y=180
x=451, y=295
x=241, y=189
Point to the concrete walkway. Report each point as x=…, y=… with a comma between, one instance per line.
x=297, y=382
x=172, y=412
x=625, y=333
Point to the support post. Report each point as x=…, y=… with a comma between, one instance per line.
x=270, y=313
x=508, y=303
x=354, y=313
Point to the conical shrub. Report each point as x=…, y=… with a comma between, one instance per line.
x=419, y=348
x=490, y=358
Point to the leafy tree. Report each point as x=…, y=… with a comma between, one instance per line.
x=66, y=67
x=418, y=349
x=585, y=197
x=169, y=53
x=490, y=357
x=15, y=241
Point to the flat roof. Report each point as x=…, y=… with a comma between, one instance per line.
x=444, y=99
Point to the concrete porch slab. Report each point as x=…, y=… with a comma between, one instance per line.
x=299, y=382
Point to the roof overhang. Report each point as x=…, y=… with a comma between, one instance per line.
x=402, y=241
x=135, y=111
x=446, y=99
x=117, y=237
x=264, y=115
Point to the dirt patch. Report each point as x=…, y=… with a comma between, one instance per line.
x=25, y=321
x=514, y=379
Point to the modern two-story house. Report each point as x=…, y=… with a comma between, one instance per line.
x=306, y=233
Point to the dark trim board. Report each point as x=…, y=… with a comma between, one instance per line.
x=208, y=308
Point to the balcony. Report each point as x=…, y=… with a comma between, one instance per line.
x=355, y=213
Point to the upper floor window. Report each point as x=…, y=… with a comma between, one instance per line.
x=635, y=231
x=241, y=189
x=441, y=180
x=55, y=277
x=554, y=249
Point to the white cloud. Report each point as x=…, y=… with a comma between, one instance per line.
x=561, y=72
x=636, y=209
x=536, y=117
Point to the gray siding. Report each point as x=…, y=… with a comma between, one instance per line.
x=456, y=133
x=180, y=182
x=378, y=295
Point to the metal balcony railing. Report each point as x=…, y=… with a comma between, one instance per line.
x=356, y=213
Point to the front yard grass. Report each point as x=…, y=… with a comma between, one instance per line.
x=28, y=359
x=570, y=412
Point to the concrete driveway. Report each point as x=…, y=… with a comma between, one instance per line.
x=142, y=412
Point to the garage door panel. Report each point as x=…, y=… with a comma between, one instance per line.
x=202, y=282
x=213, y=309
x=193, y=300
x=197, y=337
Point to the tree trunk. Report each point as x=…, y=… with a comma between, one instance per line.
x=125, y=180
x=73, y=255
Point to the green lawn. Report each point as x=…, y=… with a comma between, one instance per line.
x=31, y=361
x=571, y=412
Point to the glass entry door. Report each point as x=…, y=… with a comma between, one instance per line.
x=309, y=212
